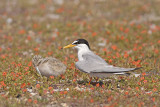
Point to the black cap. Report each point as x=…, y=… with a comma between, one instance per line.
x=81, y=41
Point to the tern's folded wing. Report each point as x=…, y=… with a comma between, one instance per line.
x=90, y=63
x=113, y=70
x=93, y=63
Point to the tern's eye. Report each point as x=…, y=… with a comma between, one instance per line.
x=75, y=42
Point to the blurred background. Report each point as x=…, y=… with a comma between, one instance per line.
x=81, y=10
x=44, y=21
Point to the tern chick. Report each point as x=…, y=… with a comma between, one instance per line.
x=48, y=66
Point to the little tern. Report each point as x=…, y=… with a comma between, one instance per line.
x=48, y=66
x=94, y=65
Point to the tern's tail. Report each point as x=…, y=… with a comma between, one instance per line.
x=118, y=70
x=122, y=73
x=126, y=72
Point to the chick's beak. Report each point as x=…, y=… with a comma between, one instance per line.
x=69, y=46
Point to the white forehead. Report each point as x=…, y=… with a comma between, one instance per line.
x=74, y=42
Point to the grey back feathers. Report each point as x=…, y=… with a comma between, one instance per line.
x=48, y=66
x=96, y=66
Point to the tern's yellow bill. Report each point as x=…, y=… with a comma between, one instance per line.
x=69, y=46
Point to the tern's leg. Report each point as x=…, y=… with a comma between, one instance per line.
x=97, y=79
x=90, y=80
x=38, y=71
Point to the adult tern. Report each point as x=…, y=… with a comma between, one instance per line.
x=94, y=65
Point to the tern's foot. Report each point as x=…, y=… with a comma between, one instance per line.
x=90, y=81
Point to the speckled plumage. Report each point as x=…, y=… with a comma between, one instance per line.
x=48, y=66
